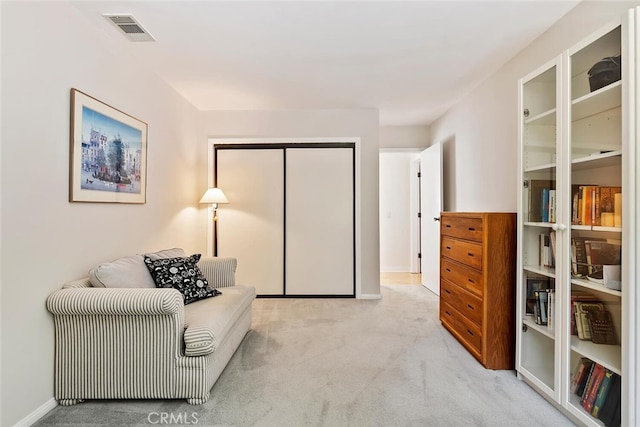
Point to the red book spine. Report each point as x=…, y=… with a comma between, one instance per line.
x=592, y=392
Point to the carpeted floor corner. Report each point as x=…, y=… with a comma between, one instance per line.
x=342, y=362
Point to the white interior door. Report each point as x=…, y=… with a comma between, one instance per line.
x=319, y=221
x=430, y=208
x=251, y=226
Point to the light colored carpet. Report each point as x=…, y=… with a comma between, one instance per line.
x=342, y=362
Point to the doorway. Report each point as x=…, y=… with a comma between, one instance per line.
x=402, y=218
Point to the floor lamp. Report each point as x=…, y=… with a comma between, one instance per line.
x=214, y=196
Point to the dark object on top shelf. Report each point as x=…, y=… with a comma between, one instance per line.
x=605, y=72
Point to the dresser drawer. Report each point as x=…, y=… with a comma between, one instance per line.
x=461, y=275
x=468, y=253
x=468, y=333
x=469, y=305
x=461, y=227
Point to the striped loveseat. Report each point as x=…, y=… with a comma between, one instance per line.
x=140, y=343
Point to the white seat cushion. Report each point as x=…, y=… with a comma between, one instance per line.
x=208, y=321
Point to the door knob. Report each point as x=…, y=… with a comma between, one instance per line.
x=436, y=219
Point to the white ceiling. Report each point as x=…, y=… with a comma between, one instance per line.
x=411, y=60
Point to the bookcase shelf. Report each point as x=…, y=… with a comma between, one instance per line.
x=586, y=128
x=546, y=118
x=595, y=286
x=547, y=167
x=538, y=224
x=544, y=330
x=540, y=270
x=606, y=355
x=598, y=160
x=603, y=99
x=576, y=408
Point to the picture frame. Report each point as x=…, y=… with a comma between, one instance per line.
x=108, y=153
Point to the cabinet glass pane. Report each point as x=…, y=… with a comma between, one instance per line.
x=539, y=115
x=594, y=303
x=538, y=239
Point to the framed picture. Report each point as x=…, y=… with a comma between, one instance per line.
x=108, y=161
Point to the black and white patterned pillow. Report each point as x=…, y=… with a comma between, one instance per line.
x=182, y=274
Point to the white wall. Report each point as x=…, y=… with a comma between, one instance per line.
x=480, y=132
x=46, y=241
x=395, y=210
x=315, y=124
x=404, y=137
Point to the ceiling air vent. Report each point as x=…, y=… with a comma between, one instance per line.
x=129, y=26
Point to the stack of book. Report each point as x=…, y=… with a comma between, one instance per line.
x=589, y=254
x=541, y=300
x=590, y=321
x=599, y=389
x=595, y=205
x=547, y=250
x=541, y=200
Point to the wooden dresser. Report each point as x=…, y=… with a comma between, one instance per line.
x=478, y=284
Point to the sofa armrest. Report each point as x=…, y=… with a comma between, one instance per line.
x=219, y=272
x=118, y=343
x=121, y=301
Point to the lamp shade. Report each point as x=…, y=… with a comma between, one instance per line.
x=214, y=195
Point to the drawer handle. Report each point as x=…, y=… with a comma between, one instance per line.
x=447, y=291
x=470, y=306
x=471, y=280
x=448, y=270
x=469, y=253
x=448, y=225
x=470, y=332
x=448, y=247
x=447, y=312
x=472, y=229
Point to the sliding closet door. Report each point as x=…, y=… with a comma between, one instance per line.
x=250, y=227
x=319, y=233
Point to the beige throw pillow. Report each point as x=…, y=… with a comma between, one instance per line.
x=129, y=271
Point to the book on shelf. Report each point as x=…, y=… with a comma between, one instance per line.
x=591, y=390
x=601, y=252
x=601, y=327
x=552, y=240
x=584, y=382
x=607, y=204
x=542, y=301
x=595, y=206
x=545, y=250
x=586, y=199
x=535, y=283
x=603, y=390
x=610, y=412
x=579, y=261
x=551, y=306
x=548, y=205
x=579, y=296
x=582, y=322
x=575, y=200
x=590, y=202
x=535, y=188
x=581, y=372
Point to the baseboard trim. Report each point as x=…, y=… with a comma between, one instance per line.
x=37, y=414
x=368, y=296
